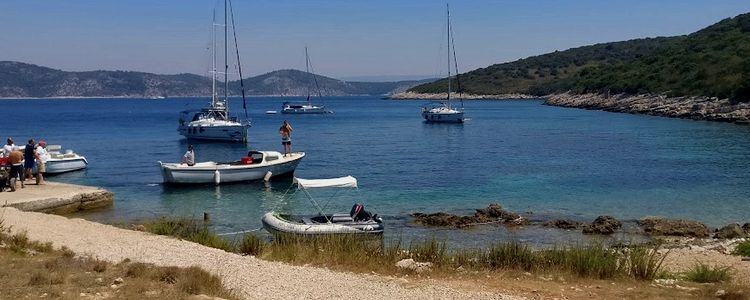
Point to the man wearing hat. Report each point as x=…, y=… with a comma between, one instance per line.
x=42, y=157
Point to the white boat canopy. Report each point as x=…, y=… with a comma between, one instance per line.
x=341, y=182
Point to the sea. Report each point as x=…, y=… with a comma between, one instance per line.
x=541, y=161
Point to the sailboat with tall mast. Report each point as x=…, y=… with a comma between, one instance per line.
x=214, y=122
x=306, y=107
x=444, y=112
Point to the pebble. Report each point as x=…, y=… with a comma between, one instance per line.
x=99, y=280
x=720, y=293
x=45, y=295
x=119, y=280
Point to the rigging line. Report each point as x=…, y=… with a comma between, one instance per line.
x=239, y=65
x=226, y=58
x=315, y=77
x=238, y=232
x=307, y=69
x=315, y=203
x=455, y=62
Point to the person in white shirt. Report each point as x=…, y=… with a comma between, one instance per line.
x=43, y=156
x=9, y=147
x=189, y=157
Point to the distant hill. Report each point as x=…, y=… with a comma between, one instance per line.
x=27, y=80
x=712, y=62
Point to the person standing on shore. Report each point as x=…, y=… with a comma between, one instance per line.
x=42, y=157
x=286, y=137
x=29, y=158
x=16, y=167
x=9, y=147
x=189, y=157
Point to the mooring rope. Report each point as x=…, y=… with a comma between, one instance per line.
x=238, y=232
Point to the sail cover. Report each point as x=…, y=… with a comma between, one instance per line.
x=341, y=182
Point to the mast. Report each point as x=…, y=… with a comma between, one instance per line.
x=307, y=70
x=213, y=52
x=226, y=64
x=449, y=54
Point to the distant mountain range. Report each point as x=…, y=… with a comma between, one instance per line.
x=712, y=62
x=19, y=79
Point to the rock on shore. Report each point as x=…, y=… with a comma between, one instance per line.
x=602, y=225
x=695, y=107
x=442, y=96
x=673, y=227
x=494, y=213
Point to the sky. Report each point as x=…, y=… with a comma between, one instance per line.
x=346, y=38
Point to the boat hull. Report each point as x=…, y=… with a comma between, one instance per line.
x=456, y=117
x=280, y=227
x=305, y=111
x=231, y=133
x=57, y=166
x=203, y=173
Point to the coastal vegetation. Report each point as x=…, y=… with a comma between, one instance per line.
x=712, y=62
x=19, y=79
x=30, y=268
x=703, y=273
x=742, y=249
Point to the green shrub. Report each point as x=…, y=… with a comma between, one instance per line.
x=703, y=273
x=742, y=249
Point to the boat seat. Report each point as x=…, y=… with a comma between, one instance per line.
x=341, y=218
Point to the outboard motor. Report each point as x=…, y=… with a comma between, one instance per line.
x=359, y=213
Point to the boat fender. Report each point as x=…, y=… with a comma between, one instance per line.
x=217, y=177
x=268, y=176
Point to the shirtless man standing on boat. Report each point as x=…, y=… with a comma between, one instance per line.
x=286, y=137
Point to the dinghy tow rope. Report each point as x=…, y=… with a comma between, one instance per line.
x=238, y=232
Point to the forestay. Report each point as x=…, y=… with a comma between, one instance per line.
x=341, y=182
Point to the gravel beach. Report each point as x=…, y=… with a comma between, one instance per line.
x=249, y=277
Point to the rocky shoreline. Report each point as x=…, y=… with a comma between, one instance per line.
x=442, y=96
x=692, y=107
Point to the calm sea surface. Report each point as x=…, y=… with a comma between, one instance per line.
x=551, y=161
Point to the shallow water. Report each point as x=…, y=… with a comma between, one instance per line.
x=552, y=161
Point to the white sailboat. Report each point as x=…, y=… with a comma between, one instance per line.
x=444, y=112
x=214, y=122
x=306, y=107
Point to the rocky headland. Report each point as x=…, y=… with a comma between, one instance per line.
x=689, y=107
x=441, y=96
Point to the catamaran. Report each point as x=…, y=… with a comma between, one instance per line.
x=214, y=122
x=444, y=112
x=306, y=107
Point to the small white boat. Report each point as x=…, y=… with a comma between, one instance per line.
x=303, y=108
x=257, y=165
x=357, y=222
x=271, y=112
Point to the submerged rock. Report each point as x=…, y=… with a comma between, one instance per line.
x=731, y=231
x=602, y=225
x=563, y=224
x=673, y=227
x=494, y=213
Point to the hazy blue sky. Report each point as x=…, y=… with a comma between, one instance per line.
x=346, y=37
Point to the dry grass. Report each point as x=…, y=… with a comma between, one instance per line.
x=32, y=269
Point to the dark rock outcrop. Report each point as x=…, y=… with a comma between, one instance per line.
x=731, y=231
x=563, y=224
x=674, y=227
x=493, y=213
x=746, y=228
x=602, y=225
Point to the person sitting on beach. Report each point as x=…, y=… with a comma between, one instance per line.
x=286, y=137
x=42, y=157
x=189, y=157
x=29, y=158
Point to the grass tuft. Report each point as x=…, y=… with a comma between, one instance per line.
x=703, y=273
x=98, y=266
x=196, y=281
x=431, y=250
x=512, y=255
x=18, y=243
x=190, y=230
x=645, y=263
x=252, y=245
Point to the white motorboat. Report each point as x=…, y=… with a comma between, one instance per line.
x=61, y=162
x=214, y=122
x=444, y=112
x=306, y=107
x=303, y=108
x=357, y=222
x=257, y=165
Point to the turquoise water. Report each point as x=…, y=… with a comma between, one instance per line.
x=551, y=161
